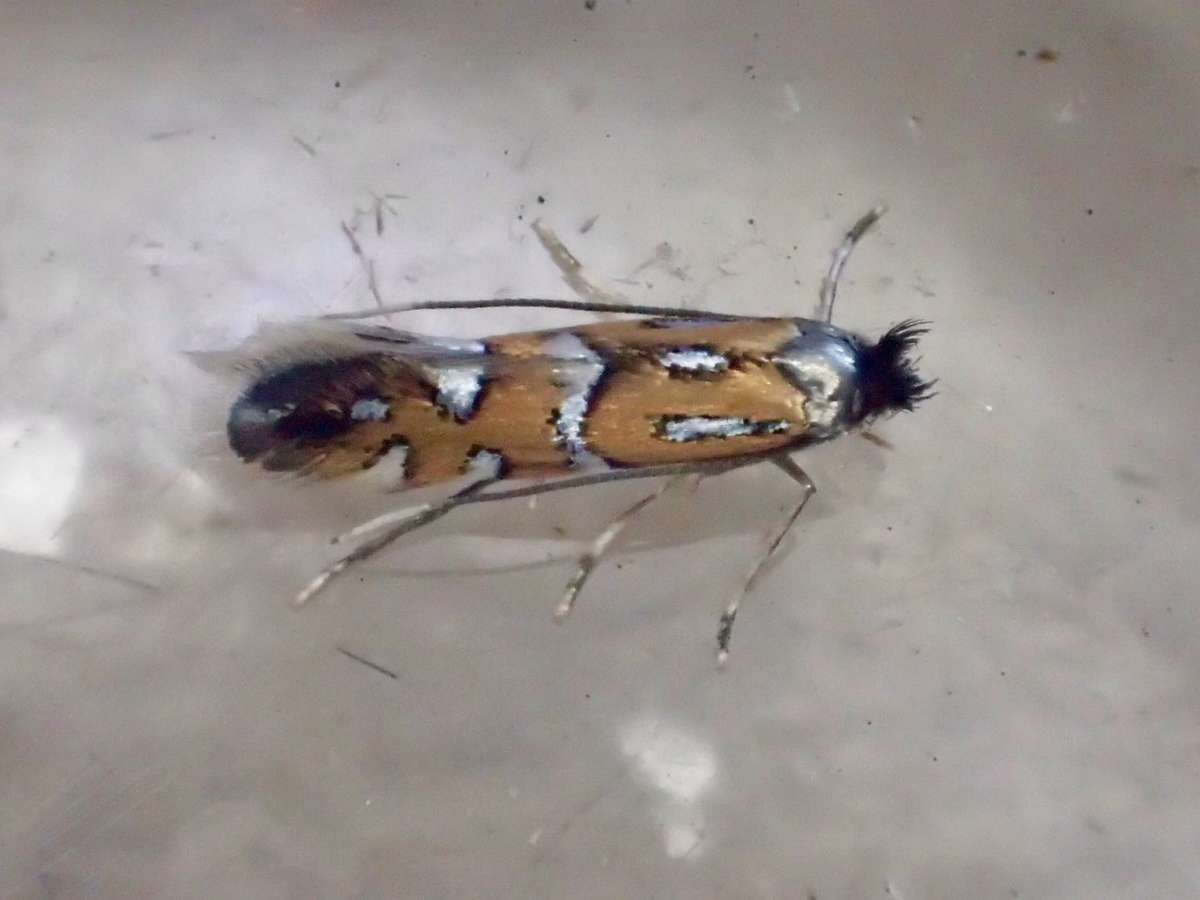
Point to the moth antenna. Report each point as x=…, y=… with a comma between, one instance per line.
x=672, y=312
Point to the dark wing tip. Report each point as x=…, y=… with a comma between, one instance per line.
x=250, y=431
x=292, y=418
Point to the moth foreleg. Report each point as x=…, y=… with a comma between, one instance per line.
x=589, y=560
x=775, y=538
x=829, y=284
x=794, y=472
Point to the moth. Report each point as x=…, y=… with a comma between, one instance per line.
x=669, y=393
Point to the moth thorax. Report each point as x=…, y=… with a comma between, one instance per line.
x=846, y=379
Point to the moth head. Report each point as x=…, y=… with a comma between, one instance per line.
x=848, y=380
x=887, y=372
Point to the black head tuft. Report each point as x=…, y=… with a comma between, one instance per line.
x=889, y=373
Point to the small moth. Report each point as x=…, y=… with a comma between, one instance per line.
x=670, y=393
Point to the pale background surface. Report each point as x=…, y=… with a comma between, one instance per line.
x=973, y=675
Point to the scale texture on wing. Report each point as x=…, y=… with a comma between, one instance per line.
x=437, y=402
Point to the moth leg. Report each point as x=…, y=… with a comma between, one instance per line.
x=589, y=560
x=572, y=269
x=401, y=522
x=829, y=284
x=561, y=484
x=787, y=465
x=383, y=521
x=409, y=520
x=876, y=439
x=725, y=625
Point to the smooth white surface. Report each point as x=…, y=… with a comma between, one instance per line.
x=973, y=675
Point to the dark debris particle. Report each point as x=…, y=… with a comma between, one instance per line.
x=1047, y=54
x=1022, y=54
x=1091, y=212
x=589, y=4
x=337, y=84
x=541, y=199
